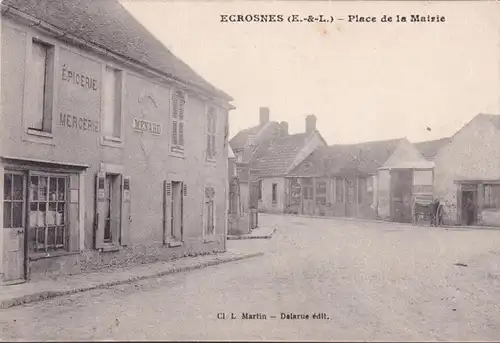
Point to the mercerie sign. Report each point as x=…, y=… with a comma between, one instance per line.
x=142, y=125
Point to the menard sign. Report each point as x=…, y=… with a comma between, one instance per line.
x=146, y=126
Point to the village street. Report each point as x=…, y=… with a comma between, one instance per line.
x=373, y=281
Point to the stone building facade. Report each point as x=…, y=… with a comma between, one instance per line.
x=113, y=151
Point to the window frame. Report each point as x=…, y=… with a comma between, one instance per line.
x=209, y=236
x=51, y=95
x=489, y=196
x=65, y=248
x=176, y=148
x=211, y=133
x=107, y=140
x=274, y=193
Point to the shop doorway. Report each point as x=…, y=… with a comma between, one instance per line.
x=469, y=208
x=14, y=227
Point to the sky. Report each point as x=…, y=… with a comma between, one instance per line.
x=363, y=81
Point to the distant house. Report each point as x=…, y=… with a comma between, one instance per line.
x=468, y=169
x=358, y=180
x=271, y=164
x=245, y=143
x=429, y=149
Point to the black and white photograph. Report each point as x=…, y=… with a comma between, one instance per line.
x=176, y=170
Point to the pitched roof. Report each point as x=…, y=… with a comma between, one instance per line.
x=239, y=141
x=276, y=158
x=364, y=158
x=493, y=118
x=429, y=149
x=110, y=26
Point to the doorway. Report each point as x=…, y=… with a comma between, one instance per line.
x=350, y=200
x=14, y=227
x=401, y=194
x=469, y=208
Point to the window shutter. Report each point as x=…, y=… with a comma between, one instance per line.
x=182, y=102
x=100, y=208
x=182, y=212
x=174, y=132
x=185, y=189
x=181, y=133
x=126, y=211
x=209, y=148
x=213, y=146
x=167, y=210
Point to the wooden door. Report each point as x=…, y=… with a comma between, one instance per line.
x=308, y=196
x=14, y=224
x=401, y=195
x=350, y=198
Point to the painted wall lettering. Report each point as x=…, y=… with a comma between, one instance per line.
x=146, y=126
x=82, y=80
x=79, y=123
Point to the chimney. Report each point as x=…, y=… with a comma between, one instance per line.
x=263, y=115
x=310, y=123
x=283, y=128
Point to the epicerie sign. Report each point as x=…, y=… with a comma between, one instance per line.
x=146, y=126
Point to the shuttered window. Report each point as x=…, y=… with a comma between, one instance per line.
x=211, y=133
x=112, y=103
x=39, y=107
x=209, y=227
x=178, y=122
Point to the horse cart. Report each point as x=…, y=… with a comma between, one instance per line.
x=427, y=209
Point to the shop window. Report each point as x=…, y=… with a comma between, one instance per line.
x=361, y=190
x=40, y=94
x=211, y=134
x=178, y=104
x=339, y=190
x=295, y=191
x=274, y=193
x=321, y=192
x=13, y=201
x=209, y=227
x=492, y=196
x=48, y=226
x=112, y=98
x=307, y=188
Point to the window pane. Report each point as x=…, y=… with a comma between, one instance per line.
x=33, y=215
x=60, y=216
x=51, y=236
x=60, y=236
x=51, y=215
x=53, y=189
x=42, y=195
x=18, y=187
x=34, y=188
x=42, y=210
x=7, y=215
x=31, y=239
x=36, y=93
x=17, y=215
x=61, y=189
x=7, y=187
x=40, y=238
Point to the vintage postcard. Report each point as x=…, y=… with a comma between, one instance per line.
x=249, y=170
